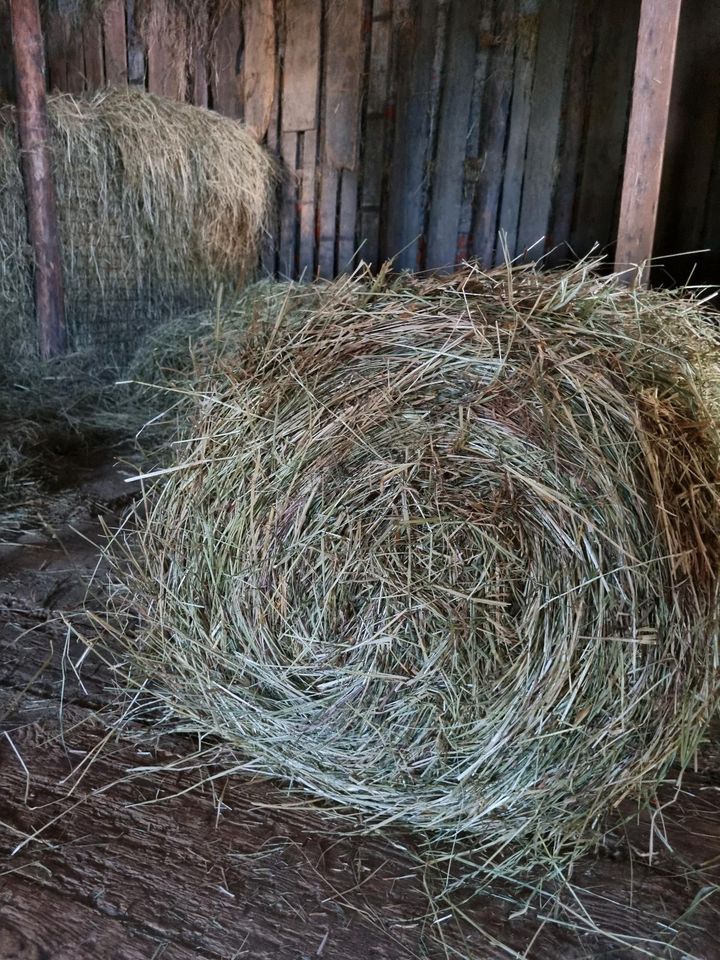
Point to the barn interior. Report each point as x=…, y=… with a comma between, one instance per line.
x=565, y=138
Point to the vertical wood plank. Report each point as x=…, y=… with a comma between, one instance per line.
x=301, y=75
x=225, y=75
x=543, y=137
x=114, y=43
x=341, y=121
x=347, y=220
x=306, y=201
x=414, y=56
x=453, y=121
x=375, y=129
x=494, y=119
x=75, y=58
x=694, y=119
x=287, y=247
x=93, y=52
x=652, y=89
x=167, y=43
x=603, y=143
x=56, y=52
x=259, y=64
x=519, y=123
x=135, y=46
x=574, y=124
x=299, y=123
x=7, y=72
x=473, y=162
x=40, y=198
x=271, y=244
x=327, y=223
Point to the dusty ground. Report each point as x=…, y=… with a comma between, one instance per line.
x=221, y=872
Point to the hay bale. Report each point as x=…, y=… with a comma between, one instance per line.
x=445, y=553
x=158, y=203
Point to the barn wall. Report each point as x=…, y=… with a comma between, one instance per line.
x=408, y=128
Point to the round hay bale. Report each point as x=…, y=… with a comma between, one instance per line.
x=445, y=552
x=158, y=203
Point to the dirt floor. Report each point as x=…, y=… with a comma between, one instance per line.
x=93, y=867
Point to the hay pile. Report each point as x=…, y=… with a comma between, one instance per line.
x=158, y=201
x=445, y=552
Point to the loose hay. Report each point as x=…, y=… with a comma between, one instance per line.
x=158, y=203
x=445, y=552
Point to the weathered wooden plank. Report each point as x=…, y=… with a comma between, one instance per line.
x=135, y=45
x=114, y=43
x=519, y=122
x=347, y=220
x=93, y=52
x=167, y=42
x=259, y=64
x=301, y=71
x=694, y=120
x=225, y=73
x=414, y=57
x=271, y=243
x=7, y=73
x=56, y=52
x=652, y=89
x=343, y=74
x=610, y=87
x=287, y=247
x=75, y=58
x=327, y=222
x=473, y=161
x=376, y=122
x=574, y=122
x=453, y=121
x=307, y=189
x=544, y=133
x=494, y=119
x=40, y=198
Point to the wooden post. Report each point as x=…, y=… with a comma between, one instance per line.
x=40, y=199
x=657, y=42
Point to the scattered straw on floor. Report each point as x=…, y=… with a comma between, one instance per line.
x=445, y=552
x=159, y=202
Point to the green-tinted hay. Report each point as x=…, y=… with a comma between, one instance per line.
x=443, y=552
x=159, y=202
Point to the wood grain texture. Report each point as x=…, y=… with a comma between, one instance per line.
x=259, y=64
x=545, y=123
x=301, y=71
x=437, y=122
x=93, y=53
x=35, y=161
x=453, y=124
x=115, y=43
x=652, y=89
x=226, y=56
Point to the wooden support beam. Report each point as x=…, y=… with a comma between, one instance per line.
x=40, y=201
x=657, y=42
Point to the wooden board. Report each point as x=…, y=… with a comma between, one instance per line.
x=258, y=76
x=544, y=133
x=301, y=71
x=115, y=43
x=519, y=121
x=93, y=54
x=376, y=122
x=225, y=71
x=652, y=89
x=497, y=91
x=453, y=124
x=437, y=122
x=408, y=177
x=603, y=147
